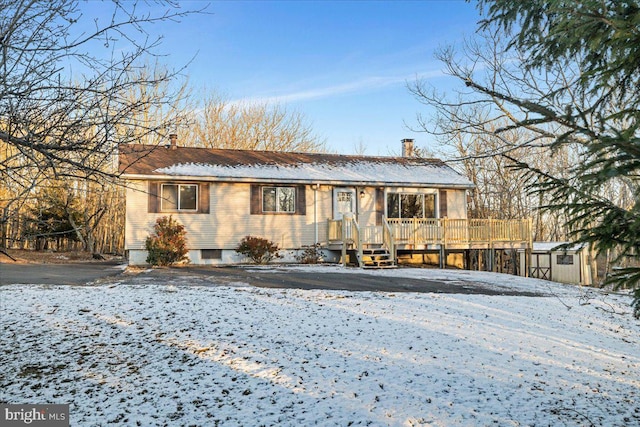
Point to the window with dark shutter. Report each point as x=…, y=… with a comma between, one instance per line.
x=203, y=205
x=178, y=197
x=152, y=206
x=301, y=200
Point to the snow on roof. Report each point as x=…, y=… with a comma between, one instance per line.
x=554, y=246
x=218, y=164
x=359, y=172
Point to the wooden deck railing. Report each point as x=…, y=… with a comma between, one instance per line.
x=348, y=232
x=419, y=231
x=334, y=230
x=436, y=231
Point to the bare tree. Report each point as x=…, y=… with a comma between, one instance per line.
x=154, y=112
x=220, y=123
x=65, y=81
x=479, y=133
x=73, y=86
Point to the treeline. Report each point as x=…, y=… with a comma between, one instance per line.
x=40, y=212
x=67, y=216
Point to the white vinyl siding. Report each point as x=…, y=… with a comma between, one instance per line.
x=456, y=204
x=230, y=219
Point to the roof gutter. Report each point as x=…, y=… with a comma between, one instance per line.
x=140, y=177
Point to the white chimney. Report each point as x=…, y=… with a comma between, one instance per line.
x=407, y=147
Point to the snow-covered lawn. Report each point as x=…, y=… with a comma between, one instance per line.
x=137, y=350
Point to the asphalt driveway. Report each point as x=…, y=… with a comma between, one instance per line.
x=299, y=279
x=83, y=273
x=57, y=274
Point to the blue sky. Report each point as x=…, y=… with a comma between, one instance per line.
x=343, y=64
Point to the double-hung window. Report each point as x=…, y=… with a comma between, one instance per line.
x=279, y=199
x=179, y=197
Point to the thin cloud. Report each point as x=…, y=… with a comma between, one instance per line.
x=358, y=86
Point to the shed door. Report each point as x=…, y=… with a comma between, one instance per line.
x=541, y=265
x=344, y=201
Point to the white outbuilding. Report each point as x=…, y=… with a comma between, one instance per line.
x=560, y=262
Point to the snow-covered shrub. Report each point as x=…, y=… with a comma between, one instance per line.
x=259, y=250
x=167, y=244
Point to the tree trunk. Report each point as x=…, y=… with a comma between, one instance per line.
x=76, y=230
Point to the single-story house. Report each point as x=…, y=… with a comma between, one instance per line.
x=371, y=207
x=560, y=262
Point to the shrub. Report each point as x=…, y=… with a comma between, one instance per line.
x=311, y=254
x=167, y=244
x=259, y=250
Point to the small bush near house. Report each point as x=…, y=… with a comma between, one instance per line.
x=259, y=250
x=167, y=244
x=311, y=254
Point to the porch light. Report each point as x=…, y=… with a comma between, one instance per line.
x=362, y=194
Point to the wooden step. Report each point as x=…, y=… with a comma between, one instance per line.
x=378, y=266
x=374, y=258
x=375, y=251
x=377, y=258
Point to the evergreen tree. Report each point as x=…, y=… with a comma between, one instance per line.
x=601, y=40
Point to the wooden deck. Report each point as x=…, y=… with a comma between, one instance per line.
x=452, y=233
x=438, y=234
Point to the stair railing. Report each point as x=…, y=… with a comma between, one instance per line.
x=387, y=238
x=351, y=235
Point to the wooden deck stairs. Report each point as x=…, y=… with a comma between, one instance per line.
x=377, y=246
x=377, y=258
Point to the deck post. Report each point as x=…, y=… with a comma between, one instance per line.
x=490, y=232
x=529, y=250
x=445, y=224
x=344, y=240
x=490, y=249
x=443, y=244
x=487, y=259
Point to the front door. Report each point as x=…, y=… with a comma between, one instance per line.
x=344, y=202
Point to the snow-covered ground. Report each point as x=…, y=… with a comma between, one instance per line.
x=181, y=350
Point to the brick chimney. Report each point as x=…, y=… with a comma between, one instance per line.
x=173, y=141
x=407, y=147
